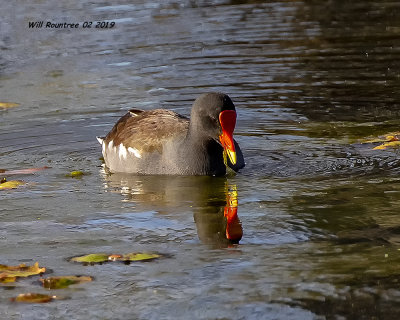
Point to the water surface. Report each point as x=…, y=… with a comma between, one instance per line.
x=319, y=210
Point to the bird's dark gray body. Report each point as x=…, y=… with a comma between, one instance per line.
x=161, y=141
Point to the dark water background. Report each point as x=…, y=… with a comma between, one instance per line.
x=319, y=210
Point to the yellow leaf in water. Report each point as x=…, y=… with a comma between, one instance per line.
x=33, y=298
x=75, y=174
x=20, y=271
x=389, y=137
x=390, y=144
x=7, y=105
x=11, y=184
x=6, y=279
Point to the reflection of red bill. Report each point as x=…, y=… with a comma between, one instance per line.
x=234, y=231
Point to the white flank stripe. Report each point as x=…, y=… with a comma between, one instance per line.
x=122, y=151
x=135, y=152
x=110, y=145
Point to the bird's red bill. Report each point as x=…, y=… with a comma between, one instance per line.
x=227, y=119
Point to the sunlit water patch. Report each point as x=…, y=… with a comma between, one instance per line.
x=317, y=206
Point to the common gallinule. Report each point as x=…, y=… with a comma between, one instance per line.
x=163, y=142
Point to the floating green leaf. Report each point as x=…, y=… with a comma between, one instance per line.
x=20, y=271
x=102, y=257
x=75, y=174
x=64, y=281
x=33, y=298
x=91, y=258
x=140, y=256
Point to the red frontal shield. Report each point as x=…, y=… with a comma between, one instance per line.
x=227, y=119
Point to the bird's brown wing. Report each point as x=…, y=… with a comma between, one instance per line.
x=147, y=131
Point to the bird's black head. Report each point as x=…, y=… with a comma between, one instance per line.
x=211, y=104
x=214, y=115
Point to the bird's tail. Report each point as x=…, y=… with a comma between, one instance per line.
x=100, y=139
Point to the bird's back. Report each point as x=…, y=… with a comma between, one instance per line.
x=137, y=141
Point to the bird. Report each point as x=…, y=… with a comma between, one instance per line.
x=163, y=142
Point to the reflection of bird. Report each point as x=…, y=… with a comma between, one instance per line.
x=212, y=200
x=163, y=142
x=220, y=225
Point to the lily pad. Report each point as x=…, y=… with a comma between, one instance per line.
x=33, y=298
x=95, y=258
x=64, y=281
x=92, y=258
x=7, y=105
x=13, y=184
x=21, y=271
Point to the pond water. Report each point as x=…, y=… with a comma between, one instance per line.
x=319, y=210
